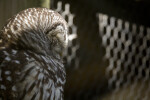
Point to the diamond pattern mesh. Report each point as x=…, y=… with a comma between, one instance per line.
x=70, y=53
x=127, y=49
x=84, y=83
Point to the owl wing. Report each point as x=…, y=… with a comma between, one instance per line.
x=22, y=77
x=13, y=73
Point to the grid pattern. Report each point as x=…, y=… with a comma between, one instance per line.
x=70, y=57
x=127, y=49
x=86, y=81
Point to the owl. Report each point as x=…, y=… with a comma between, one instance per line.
x=31, y=65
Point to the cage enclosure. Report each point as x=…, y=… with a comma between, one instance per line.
x=108, y=56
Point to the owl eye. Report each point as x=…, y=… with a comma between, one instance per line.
x=56, y=33
x=59, y=29
x=56, y=28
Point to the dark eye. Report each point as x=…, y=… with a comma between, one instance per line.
x=59, y=29
x=54, y=31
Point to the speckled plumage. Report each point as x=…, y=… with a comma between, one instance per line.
x=31, y=66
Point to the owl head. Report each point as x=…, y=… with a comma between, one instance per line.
x=40, y=30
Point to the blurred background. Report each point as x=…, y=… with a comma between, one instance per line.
x=108, y=57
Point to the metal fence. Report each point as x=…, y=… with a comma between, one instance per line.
x=128, y=52
x=83, y=82
x=126, y=49
x=70, y=57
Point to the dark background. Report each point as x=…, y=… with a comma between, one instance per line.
x=89, y=81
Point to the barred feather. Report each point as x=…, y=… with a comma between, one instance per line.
x=31, y=67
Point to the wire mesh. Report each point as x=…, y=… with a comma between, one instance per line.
x=128, y=52
x=127, y=49
x=69, y=54
x=85, y=82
